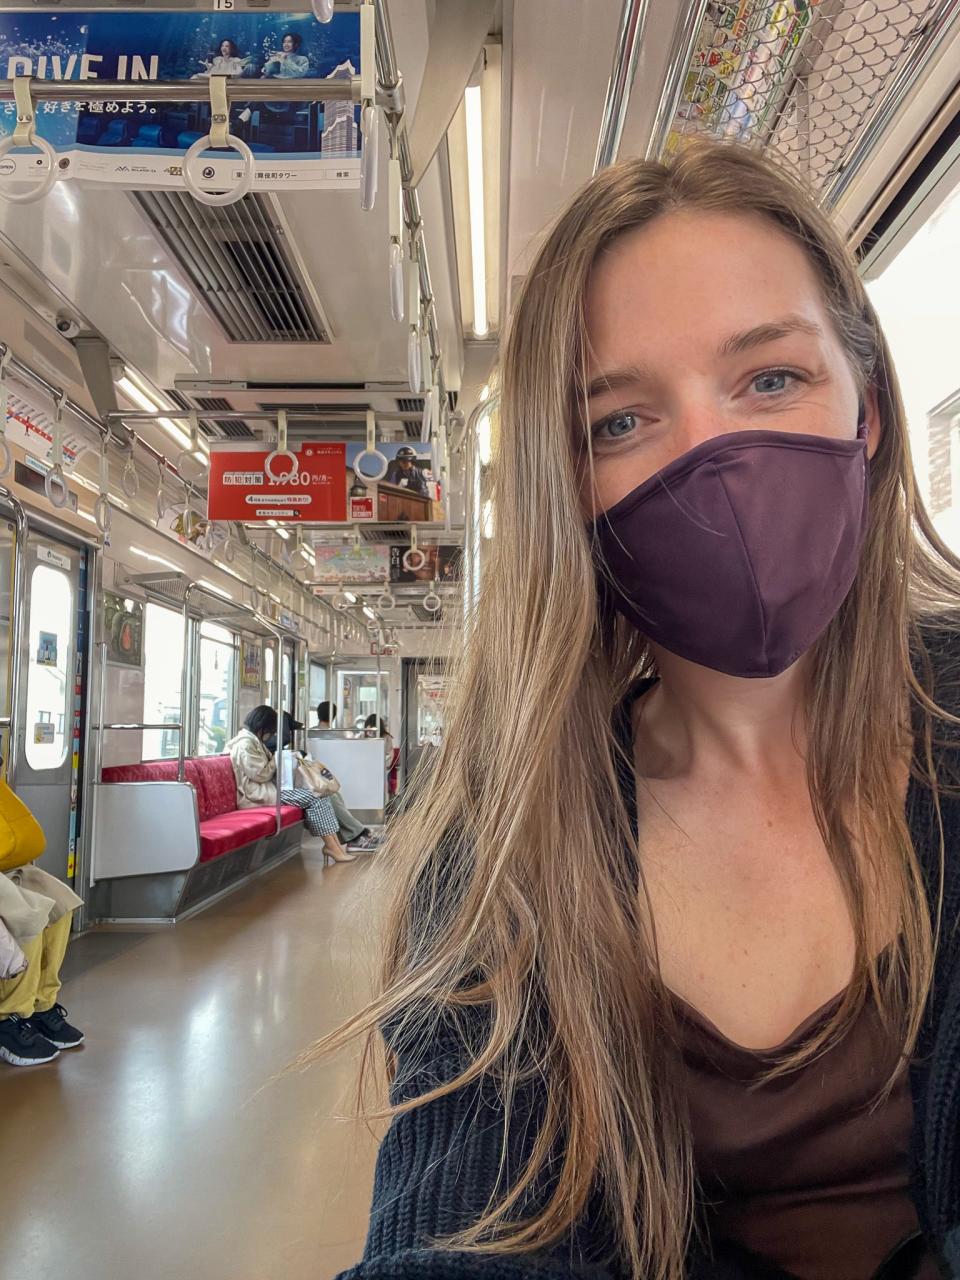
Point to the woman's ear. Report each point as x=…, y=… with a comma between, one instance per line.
x=871, y=416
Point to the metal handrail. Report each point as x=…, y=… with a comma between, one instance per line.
x=390, y=84
x=685, y=35
x=633, y=18
x=21, y=528
x=257, y=415
x=98, y=728
x=268, y=90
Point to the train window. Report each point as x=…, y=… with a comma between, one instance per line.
x=162, y=670
x=918, y=300
x=217, y=689
x=49, y=681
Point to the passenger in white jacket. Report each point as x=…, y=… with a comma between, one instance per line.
x=253, y=755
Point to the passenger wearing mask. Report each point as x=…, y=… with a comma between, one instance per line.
x=673, y=990
x=405, y=473
x=253, y=755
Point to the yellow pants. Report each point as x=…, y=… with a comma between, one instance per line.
x=36, y=989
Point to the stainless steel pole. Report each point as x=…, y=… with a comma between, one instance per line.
x=633, y=18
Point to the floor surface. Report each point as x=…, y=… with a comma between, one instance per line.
x=163, y=1147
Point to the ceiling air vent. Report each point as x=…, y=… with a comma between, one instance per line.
x=238, y=262
x=413, y=424
x=214, y=428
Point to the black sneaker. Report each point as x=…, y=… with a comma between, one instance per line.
x=53, y=1025
x=22, y=1045
x=364, y=844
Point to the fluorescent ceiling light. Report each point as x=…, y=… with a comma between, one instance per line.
x=486, y=519
x=307, y=553
x=279, y=528
x=147, y=555
x=484, y=439
x=477, y=234
x=211, y=586
x=143, y=400
x=369, y=612
x=348, y=595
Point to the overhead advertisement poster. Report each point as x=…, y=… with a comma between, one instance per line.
x=355, y=566
x=307, y=145
x=325, y=488
x=240, y=489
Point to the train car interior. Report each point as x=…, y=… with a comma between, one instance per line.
x=250, y=334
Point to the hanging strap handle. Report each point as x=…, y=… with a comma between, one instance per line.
x=54, y=482
x=25, y=135
x=413, y=557
x=281, y=451
x=381, y=461
x=102, y=513
x=219, y=139
x=189, y=455
x=130, y=480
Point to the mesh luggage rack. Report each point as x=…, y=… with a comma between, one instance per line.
x=807, y=80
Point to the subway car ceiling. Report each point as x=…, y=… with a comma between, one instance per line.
x=274, y=315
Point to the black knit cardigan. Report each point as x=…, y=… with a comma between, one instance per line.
x=439, y=1163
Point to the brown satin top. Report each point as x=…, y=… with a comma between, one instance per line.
x=799, y=1170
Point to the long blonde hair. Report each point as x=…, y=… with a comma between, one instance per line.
x=516, y=850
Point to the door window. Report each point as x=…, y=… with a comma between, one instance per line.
x=162, y=671
x=431, y=701
x=218, y=700
x=357, y=697
x=49, y=672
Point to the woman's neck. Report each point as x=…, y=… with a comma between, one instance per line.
x=697, y=720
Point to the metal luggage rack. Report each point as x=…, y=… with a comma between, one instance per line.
x=814, y=82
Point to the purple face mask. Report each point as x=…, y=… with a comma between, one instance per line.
x=738, y=554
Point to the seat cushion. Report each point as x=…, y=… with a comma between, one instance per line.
x=217, y=786
x=229, y=831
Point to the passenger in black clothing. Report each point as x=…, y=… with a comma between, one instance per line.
x=714, y=580
x=403, y=471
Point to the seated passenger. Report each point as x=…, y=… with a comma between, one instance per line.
x=372, y=727
x=36, y=911
x=351, y=831
x=326, y=715
x=255, y=769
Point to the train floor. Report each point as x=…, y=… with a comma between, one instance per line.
x=168, y=1144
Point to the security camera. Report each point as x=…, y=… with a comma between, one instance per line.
x=67, y=326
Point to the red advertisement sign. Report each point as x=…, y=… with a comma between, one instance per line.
x=240, y=488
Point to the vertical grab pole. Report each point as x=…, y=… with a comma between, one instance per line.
x=16, y=630
x=184, y=684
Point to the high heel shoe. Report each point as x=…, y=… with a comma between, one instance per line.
x=344, y=857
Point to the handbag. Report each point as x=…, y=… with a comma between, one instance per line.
x=21, y=836
x=316, y=777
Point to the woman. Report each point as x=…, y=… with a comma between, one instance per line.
x=657, y=984
x=227, y=61
x=253, y=755
x=287, y=63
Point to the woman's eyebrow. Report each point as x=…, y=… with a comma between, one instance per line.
x=617, y=379
x=769, y=332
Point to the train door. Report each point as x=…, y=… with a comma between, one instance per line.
x=425, y=686
x=51, y=693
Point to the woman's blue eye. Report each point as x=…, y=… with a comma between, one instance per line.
x=617, y=425
x=772, y=381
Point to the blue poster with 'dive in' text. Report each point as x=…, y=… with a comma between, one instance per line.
x=135, y=143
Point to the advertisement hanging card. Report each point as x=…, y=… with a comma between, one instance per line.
x=240, y=489
x=356, y=566
x=442, y=564
x=32, y=429
x=409, y=491
x=306, y=145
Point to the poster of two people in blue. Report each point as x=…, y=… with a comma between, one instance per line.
x=295, y=144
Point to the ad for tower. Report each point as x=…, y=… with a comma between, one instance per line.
x=306, y=145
